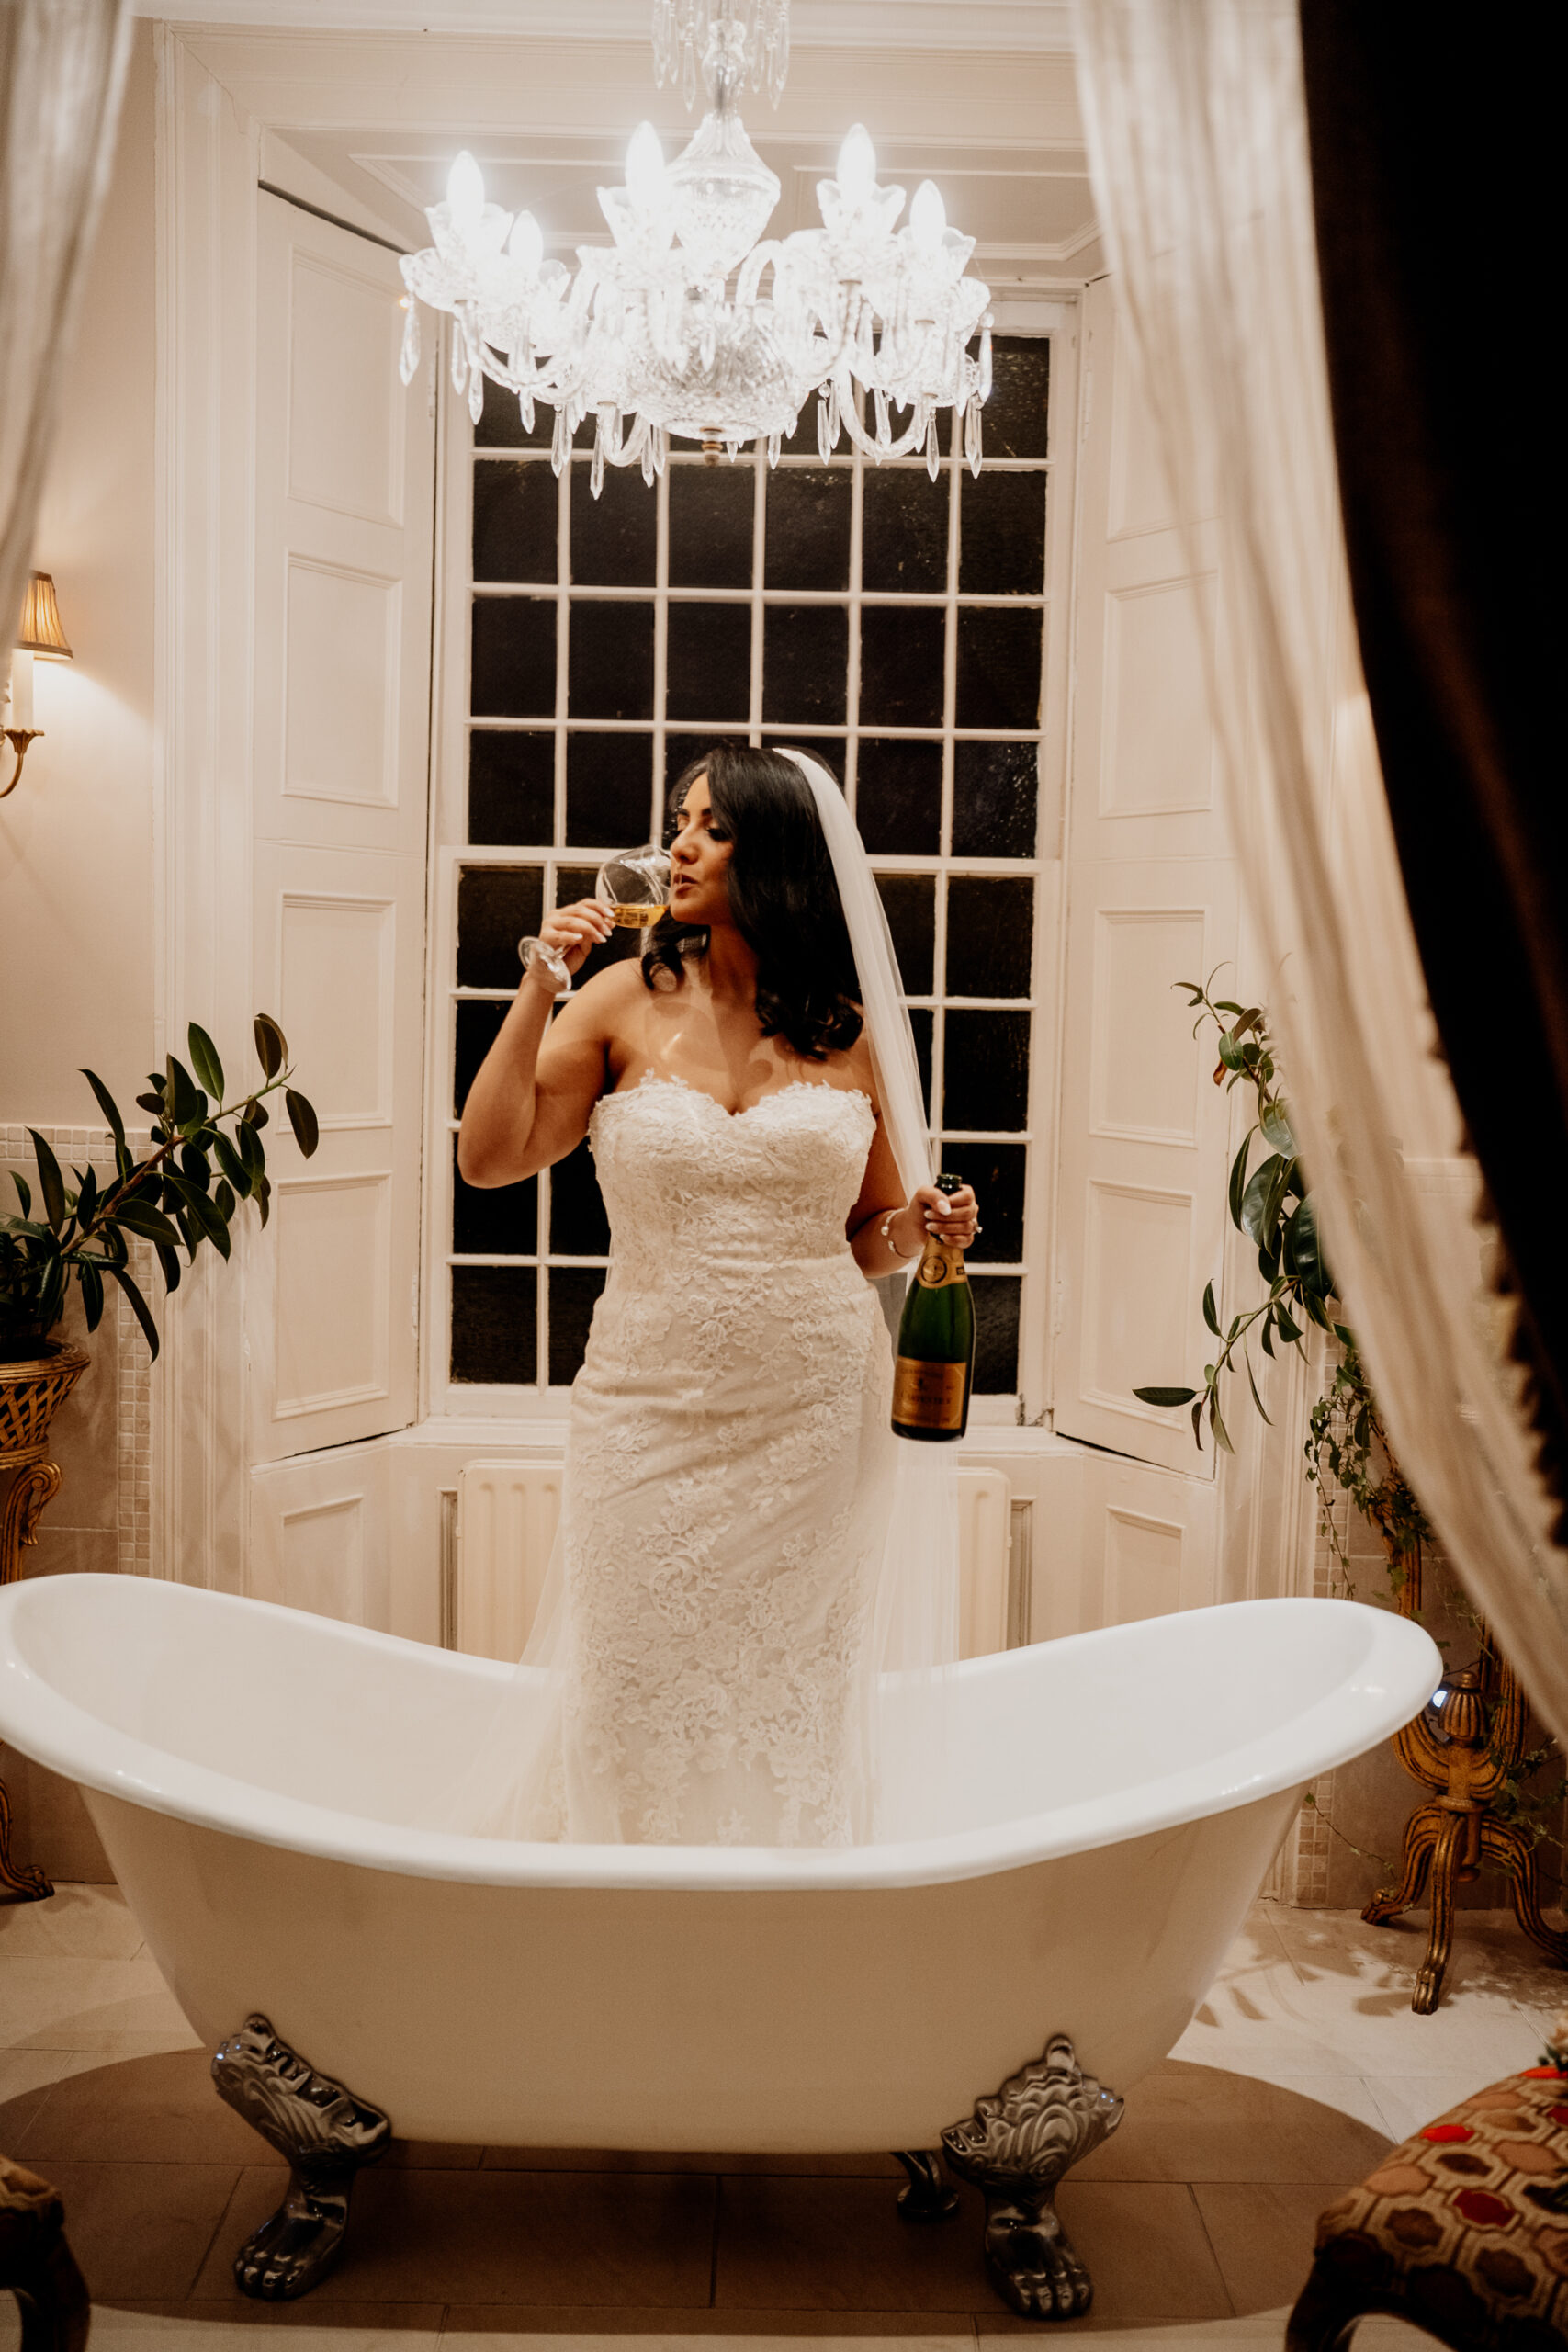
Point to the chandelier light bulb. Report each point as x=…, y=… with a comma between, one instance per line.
x=525, y=245
x=857, y=163
x=645, y=165
x=465, y=190
x=928, y=217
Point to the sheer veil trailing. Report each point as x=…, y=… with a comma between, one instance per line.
x=913, y=1635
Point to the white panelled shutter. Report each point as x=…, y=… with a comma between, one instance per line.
x=1151, y=900
x=345, y=498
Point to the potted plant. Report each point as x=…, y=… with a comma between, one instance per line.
x=206, y=1158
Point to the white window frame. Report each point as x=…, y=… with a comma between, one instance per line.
x=444, y=1400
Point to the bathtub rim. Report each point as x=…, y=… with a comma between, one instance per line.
x=1389, y=1684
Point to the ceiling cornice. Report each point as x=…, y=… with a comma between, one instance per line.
x=1024, y=27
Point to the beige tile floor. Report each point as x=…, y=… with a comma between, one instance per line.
x=1196, y=2219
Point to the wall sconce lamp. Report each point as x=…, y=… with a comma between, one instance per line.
x=38, y=633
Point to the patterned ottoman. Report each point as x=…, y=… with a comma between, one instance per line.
x=1463, y=2230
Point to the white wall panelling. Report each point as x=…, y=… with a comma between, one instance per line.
x=344, y=492
x=1152, y=900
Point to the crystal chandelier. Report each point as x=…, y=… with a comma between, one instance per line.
x=688, y=325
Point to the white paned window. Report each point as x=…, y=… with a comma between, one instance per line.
x=898, y=625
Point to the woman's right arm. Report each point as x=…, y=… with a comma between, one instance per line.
x=535, y=1093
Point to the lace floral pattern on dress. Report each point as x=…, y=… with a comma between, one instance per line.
x=727, y=1476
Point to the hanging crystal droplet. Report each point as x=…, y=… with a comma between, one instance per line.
x=476, y=394
x=596, y=470
x=972, y=435
x=884, y=424
x=561, y=441
x=933, y=451
x=689, y=76
x=832, y=415
x=660, y=440
x=984, y=386
x=407, y=359
x=775, y=442
x=824, y=442
x=525, y=406
x=459, y=361
x=648, y=459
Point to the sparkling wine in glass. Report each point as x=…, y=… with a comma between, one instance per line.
x=636, y=884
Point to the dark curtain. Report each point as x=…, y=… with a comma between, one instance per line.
x=1431, y=139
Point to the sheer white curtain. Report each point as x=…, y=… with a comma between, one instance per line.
x=1197, y=131
x=61, y=69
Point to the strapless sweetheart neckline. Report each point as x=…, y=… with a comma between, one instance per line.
x=796, y=1086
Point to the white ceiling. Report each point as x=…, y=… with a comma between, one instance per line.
x=1038, y=26
x=363, y=118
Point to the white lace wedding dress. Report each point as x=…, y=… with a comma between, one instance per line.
x=729, y=1479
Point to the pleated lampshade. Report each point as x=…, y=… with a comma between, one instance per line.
x=40, y=630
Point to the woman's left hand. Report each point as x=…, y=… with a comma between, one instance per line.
x=956, y=1216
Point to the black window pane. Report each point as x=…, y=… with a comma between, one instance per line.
x=513, y=674
x=920, y=1021
x=808, y=528
x=477, y=1025
x=512, y=787
x=903, y=531
x=911, y=901
x=1014, y=420
x=804, y=658
x=577, y=882
x=996, y=790
x=1001, y=535
x=898, y=796
x=609, y=789
x=499, y=1222
x=495, y=1325
x=996, y=1298
x=997, y=1171
x=514, y=523
x=501, y=423
x=497, y=905
x=998, y=668
x=710, y=525
x=902, y=648
x=610, y=663
x=614, y=536
x=574, y=1291
x=708, y=667
x=990, y=936
x=987, y=1064
x=579, y=1226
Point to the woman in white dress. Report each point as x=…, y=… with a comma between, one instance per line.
x=730, y=1469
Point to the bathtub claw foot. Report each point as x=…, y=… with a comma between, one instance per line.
x=1015, y=2146
x=925, y=2196
x=326, y=2134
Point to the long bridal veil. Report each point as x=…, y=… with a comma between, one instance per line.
x=515, y=1787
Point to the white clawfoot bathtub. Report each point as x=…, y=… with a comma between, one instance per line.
x=1113, y=1803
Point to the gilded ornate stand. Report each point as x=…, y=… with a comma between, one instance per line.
x=1466, y=1757
x=30, y=1395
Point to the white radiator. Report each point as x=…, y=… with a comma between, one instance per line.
x=506, y=1524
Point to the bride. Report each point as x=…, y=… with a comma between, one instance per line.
x=719, y=1597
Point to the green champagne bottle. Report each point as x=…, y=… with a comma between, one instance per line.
x=935, y=1362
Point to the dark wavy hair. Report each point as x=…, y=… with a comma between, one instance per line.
x=783, y=895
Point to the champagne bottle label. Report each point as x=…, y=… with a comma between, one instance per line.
x=939, y=1267
x=928, y=1395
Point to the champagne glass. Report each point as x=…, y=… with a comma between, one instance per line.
x=636, y=884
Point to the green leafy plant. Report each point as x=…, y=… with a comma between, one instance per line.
x=185, y=1190
x=1271, y=1205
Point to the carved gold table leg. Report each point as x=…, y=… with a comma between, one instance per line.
x=30, y=1395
